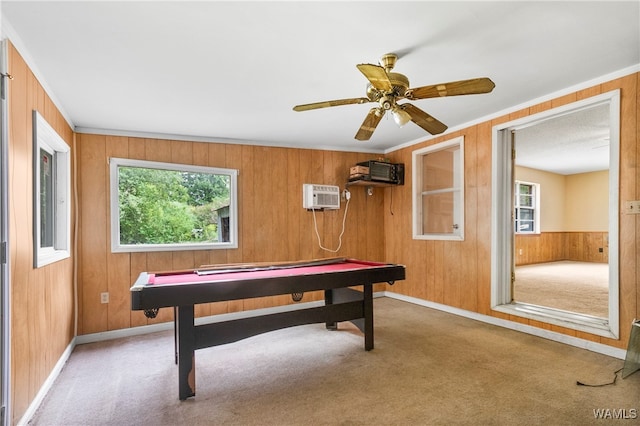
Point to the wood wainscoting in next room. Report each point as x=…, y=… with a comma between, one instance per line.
x=554, y=246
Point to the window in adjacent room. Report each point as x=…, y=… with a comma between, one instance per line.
x=438, y=199
x=51, y=200
x=162, y=206
x=527, y=208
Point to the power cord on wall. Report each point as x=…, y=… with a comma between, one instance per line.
x=347, y=196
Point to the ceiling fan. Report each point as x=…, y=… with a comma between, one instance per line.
x=387, y=88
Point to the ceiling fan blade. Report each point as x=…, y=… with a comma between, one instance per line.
x=377, y=76
x=423, y=119
x=325, y=104
x=454, y=88
x=369, y=124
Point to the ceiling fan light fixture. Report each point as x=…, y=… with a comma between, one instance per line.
x=386, y=88
x=400, y=116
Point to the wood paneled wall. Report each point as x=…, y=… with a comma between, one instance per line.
x=458, y=274
x=273, y=225
x=554, y=246
x=42, y=303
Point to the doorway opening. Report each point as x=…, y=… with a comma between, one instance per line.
x=555, y=216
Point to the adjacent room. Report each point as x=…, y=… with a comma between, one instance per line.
x=306, y=212
x=561, y=205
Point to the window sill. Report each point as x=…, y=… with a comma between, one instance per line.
x=170, y=247
x=47, y=257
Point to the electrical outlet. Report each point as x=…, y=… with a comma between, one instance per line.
x=632, y=207
x=104, y=297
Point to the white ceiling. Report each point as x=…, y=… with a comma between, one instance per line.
x=232, y=71
x=575, y=142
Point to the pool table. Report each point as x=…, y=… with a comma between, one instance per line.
x=181, y=290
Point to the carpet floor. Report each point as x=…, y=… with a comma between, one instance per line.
x=581, y=287
x=428, y=368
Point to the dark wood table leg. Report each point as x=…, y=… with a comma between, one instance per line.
x=175, y=333
x=186, y=352
x=368, y=316
x=328, y=300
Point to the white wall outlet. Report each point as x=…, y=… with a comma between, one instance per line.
x=104, y=297
x=632, y=207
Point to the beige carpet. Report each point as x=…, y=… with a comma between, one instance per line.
x=581, y=287
x=428, y=368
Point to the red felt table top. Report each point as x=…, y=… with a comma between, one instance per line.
x=191, y=278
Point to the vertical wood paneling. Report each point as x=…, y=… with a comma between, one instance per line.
x=181, y=152
x=42, y=310
x=233, y=160
x=555, y=246
x=249, y=207
x=439, y=271
x=293, y=205
x=119, y=304
x=468, y=247
x=119, y=298
x=280, y=195
x=372, y=214
x=137, y=148
x=157, y=150
x=304, y=229
x=636, y=230
x=483, y=228
x=20, y=247
x=93, y=210
x=629, y=177
x=316, y=175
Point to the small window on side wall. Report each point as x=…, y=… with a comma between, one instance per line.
x=51, y=194
x=438, y=191
x=526, y=208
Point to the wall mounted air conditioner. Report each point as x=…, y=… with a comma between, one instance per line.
x=318, y=197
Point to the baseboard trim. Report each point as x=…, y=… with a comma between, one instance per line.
x=124, y=332
x=546, y=334
x=46, y=386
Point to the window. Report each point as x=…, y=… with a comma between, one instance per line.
x=526, y=208
x=51, y=194
x=438, y=199
x=161, y=206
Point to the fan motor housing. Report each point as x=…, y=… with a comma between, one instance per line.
x=399, y=82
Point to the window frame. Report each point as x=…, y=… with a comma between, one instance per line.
x=45, y=138
x=458, y=187
x=535, y=206
x=116, y=247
